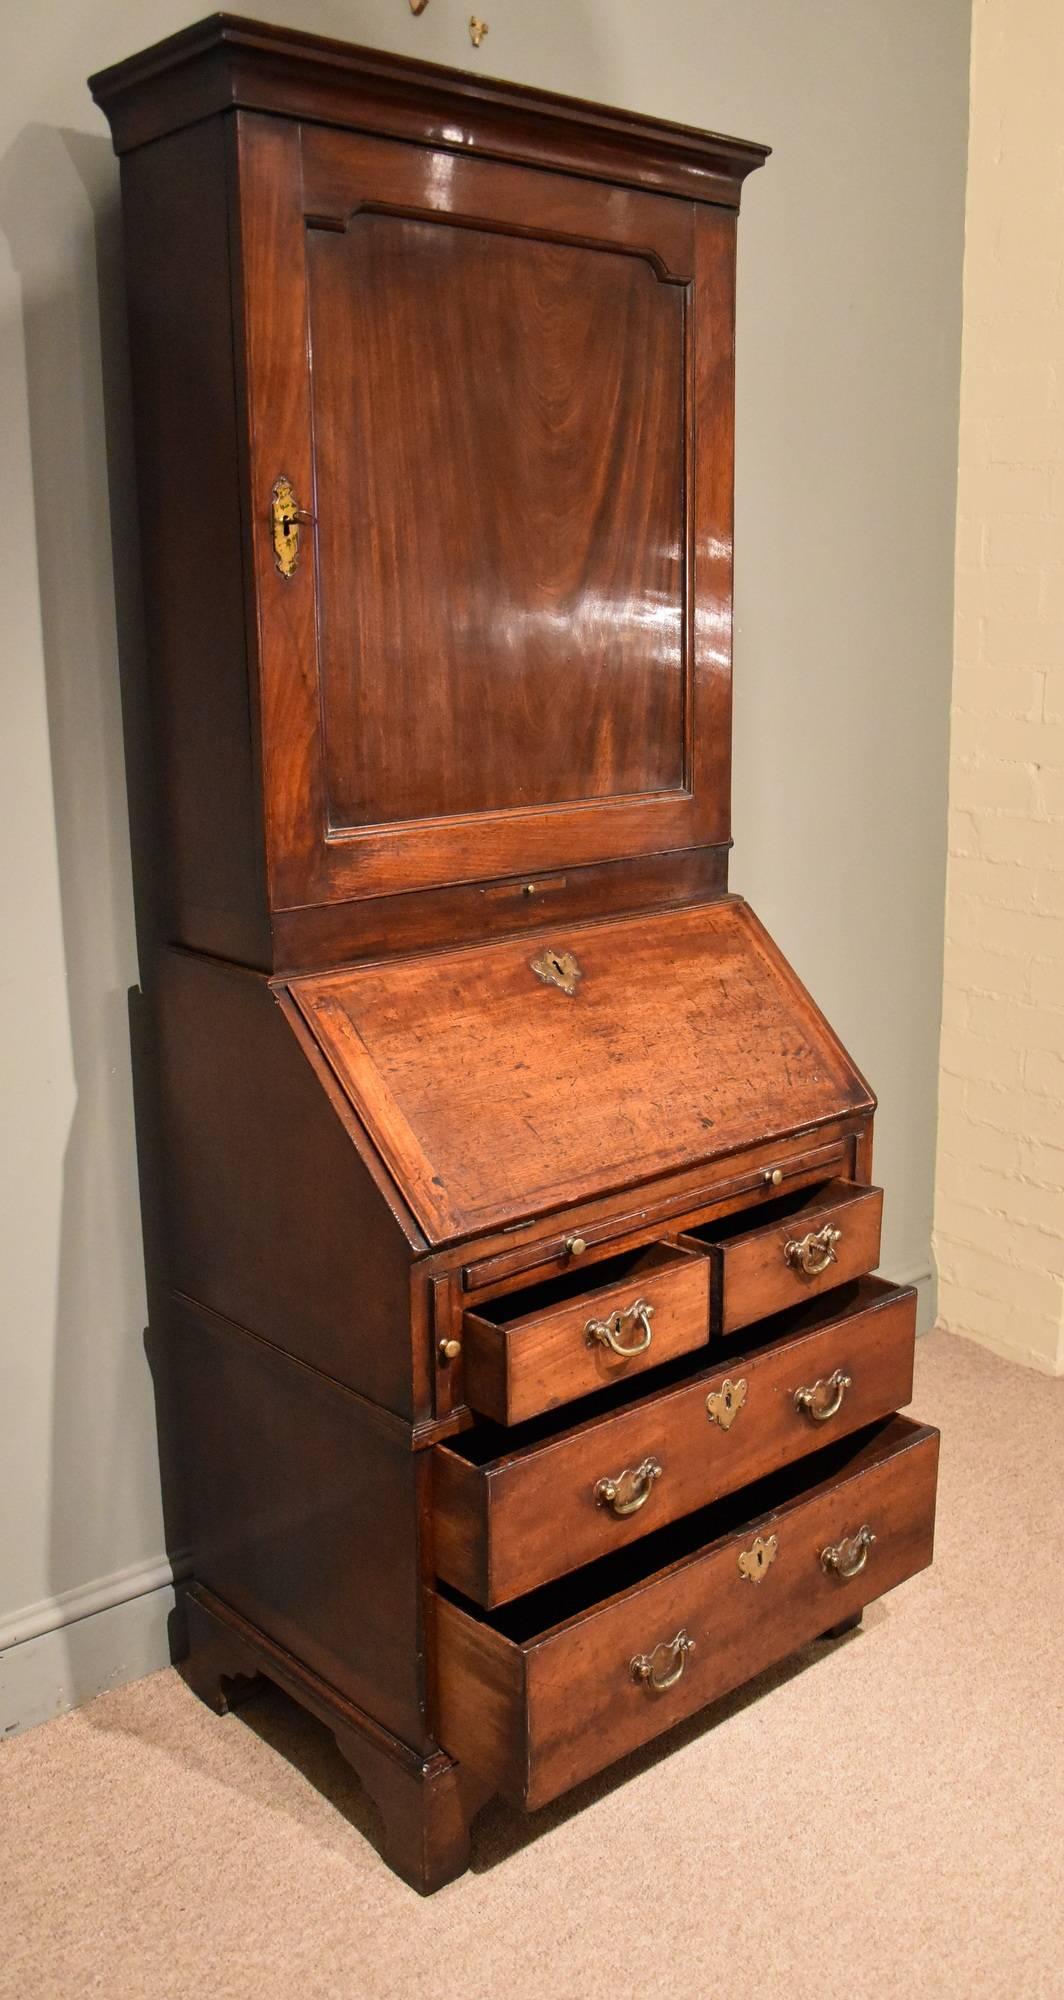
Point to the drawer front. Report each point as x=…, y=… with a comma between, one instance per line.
x=821, y=1243
x=541, y=1713
x=551, y=1255
x=521, y=1363
x=505, y=1526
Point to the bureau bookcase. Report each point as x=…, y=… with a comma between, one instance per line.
x=532, y=1384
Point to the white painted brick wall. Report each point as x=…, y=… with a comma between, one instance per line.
x=999, y=1210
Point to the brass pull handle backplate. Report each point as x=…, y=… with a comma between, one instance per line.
x=848, y=1557
x=723, y=1404
x=644, y=1670
x=608, y=1331
x=813, y=1253
x=630, y=1490
x=823, y=1399
x=754, y=1561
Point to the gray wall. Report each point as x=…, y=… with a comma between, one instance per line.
x=849, y=311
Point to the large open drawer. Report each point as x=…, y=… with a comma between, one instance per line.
x=539, y=1696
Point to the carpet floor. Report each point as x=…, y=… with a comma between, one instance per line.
x=879, y=1816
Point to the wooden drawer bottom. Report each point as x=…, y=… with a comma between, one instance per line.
x=542, y=1694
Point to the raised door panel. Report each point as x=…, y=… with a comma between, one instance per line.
x=499, y=494
x=506, y=644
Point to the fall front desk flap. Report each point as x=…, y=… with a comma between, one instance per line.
x=501, y=1080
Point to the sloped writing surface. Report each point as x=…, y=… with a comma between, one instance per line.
x=493, y=1095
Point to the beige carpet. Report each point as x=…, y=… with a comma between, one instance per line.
x=881, y=1817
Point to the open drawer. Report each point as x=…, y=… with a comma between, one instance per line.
x=801, y=1245
x=515, y=1508
x=535, y=1349
x=543, y=1694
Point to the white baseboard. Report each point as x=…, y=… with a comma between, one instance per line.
x=61, y=1652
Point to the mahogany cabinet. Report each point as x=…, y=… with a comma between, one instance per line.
x=534, y=1388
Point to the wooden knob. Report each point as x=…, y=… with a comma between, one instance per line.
x=450, y=1350
x=773, y=1176
x=575, y=1245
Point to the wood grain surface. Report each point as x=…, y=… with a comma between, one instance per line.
x=493, y=1095
x=539, y=1708
x=500, y=491
x=519, y=1361
x=753, y=1275
x=512, y=1510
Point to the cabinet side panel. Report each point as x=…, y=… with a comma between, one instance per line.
x=208, y=840
x=274, y=1219
x=304, y=1516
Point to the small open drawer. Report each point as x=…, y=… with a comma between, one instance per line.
x=541, y=1695
x=805, y=1243
x=536, y=1349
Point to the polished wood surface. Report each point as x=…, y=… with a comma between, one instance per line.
x=424, y=1803
x=489, y=1092
x=676, y=1203
x=515, y=1508
x=200, y=829
x=313, y=858
x=303, y=1515
x=534, y=651
x=227, y=60
x=534, y=1352
x=753, y=1275
x=542, y=1696
x=571, y=546
x=271, y=1207
x=483, y=337
x=328, y=934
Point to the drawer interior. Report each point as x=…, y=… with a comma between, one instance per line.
x=782, y=1208
x=633, y=1267
x=571, y=1597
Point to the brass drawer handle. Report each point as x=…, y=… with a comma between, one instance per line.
x=848, y=1558
x=642, y=1668
x=630, y=1490
x=608, y=1331
x=723, y=1404
x=823, y=1400
x=813, y=1253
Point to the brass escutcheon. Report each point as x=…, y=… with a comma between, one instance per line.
x=813, y=1253
x=848, y=1557
x=823, y=1399
x=557, y=968
x=607, y=1332
x=286, y=517
x=642, y=1668
x=630, y=1490
x=723, y=1404
x=754, y=1561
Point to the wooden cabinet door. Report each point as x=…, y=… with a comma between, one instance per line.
x=503, y=396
